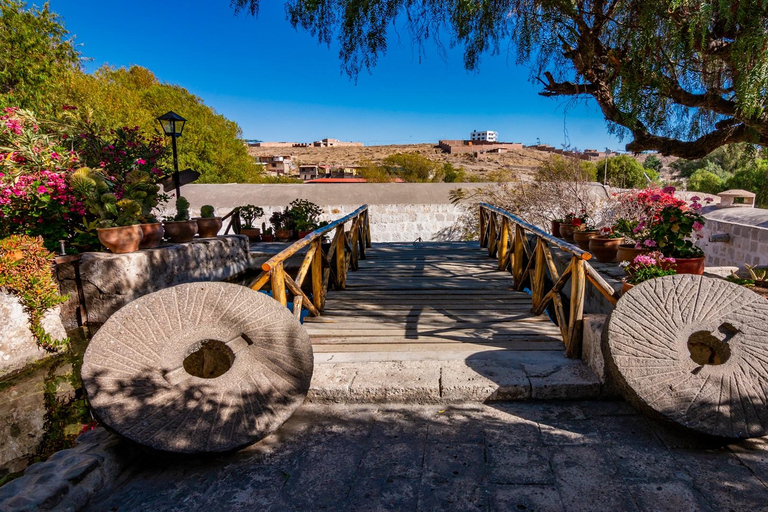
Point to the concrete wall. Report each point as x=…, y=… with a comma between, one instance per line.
x=748, y=232
x=399, y=212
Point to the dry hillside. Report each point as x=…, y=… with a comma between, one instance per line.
x=520, y=163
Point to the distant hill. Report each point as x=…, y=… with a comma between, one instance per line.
x=518, y=163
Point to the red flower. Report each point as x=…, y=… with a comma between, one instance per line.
x=576, y=222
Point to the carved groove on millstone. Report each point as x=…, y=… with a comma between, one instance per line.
x=135, y=378
x=695, y=351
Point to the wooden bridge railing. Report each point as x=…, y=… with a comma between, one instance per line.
x=327, y=265
x=506, y=237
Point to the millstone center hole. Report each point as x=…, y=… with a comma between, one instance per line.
x=706, y=348
x=211, y=359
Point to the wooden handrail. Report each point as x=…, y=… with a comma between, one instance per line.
x=347, y=247
x=300, y=244
x=504, y=234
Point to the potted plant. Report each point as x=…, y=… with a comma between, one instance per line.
x=583, y=234
x=571, y=223
x=117, y=220
x=180, y=228
x=283, y=225
x=304, y=216
x=645, y=267
x=267, y=235
x=153, y=232
x=605, y=245
x=631, y=230
x=208, y=225
x=556, y=227
x=673, y=230
x=248, y=215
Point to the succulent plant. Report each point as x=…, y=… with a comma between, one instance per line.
x=249, y=213
x=94, y=189
x=182, y=209
x=207, y=212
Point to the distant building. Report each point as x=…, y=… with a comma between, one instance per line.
x=487, y=136
x=473, y=147
x=278, y=165
x=330, y=143
x=309, y=172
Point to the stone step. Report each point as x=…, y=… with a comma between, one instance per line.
x=410, y=378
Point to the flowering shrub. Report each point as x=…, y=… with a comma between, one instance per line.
x=648, y=266
x=673, y=227
x=608, y=232
x=25, y=271
x=580, y=222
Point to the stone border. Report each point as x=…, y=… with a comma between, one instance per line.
x=68, y=479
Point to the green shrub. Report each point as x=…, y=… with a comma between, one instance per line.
x=25, y=271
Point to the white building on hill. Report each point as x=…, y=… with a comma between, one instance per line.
x=487, y=136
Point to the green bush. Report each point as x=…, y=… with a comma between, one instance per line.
x=25, y=271
x=706, y=181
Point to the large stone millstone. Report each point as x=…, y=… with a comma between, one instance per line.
x=694, y=350
x=158, y=372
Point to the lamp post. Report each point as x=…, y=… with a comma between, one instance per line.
x=173, y=124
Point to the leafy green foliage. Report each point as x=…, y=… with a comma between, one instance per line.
x=652, y=162
x=207, y=211
x=624, y=172
x=706, y=181
x=210, y=144
x=413, y=168
x=36, y=54
x=25, y=271
x=452, y=174
x=303, y=215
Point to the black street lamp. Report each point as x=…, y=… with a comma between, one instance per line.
x=173, y=124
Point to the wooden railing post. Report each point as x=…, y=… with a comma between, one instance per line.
x=278, y=284
x=318, y=293
x=504, y=244
x=492, y=234
x=537, y=280
x=517, y=269
x=576, y=317
x=341, y=264
x=367, y=230
x=482, y=226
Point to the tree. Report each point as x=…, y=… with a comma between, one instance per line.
x=753, y=178
x=682, y=78
x=624, y=172
x=115, y=97
x=653, y=162
x=706, y=181
x=413, y=168
x=35, y=52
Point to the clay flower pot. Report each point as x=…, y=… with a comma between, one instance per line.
x=208, y=227
x=566, y=231
x=556, y=228
x=689, y=265
x=582, y=238
x=627, y=252
x=604, y=248
x=153, y=235
x=625, y=286
x=302, y=234
x=180, y=231
x=267, y=238
x=253, y=234
x=283, y=235
x=122, y=239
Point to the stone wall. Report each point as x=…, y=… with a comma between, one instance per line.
x=109, y=281
x=747, y=230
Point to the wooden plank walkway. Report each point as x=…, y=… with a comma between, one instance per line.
x=428, y=298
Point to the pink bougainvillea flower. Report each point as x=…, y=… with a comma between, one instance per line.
x=649, y=243
x=708, y=199
x=695, y=198
x=669, y=190
x=141, y=161
x=698, y=226
x=68, y=107
x=42, y=190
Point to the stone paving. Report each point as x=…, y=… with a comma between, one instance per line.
x=506, y=456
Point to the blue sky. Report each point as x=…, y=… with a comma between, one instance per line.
x=279, y=84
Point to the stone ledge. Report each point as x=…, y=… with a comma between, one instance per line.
x=482, y=377
x=68, y=479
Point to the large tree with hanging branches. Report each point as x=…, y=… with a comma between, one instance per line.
x=681, y=77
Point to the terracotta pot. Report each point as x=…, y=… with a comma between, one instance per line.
x=627, y=252
x=283, y=235
x=121, y=239
x=208, y=227
x=267, y=238
x=253, y=234
x=302, y=234
x=566, y=231
x=582, y=238
x=153, y=235
x=556, y=228
x=180, y=231
x=604, y=248
x=689, y=265
x=625, y=286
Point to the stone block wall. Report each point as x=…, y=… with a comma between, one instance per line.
x=109, y=281
x=747, y=244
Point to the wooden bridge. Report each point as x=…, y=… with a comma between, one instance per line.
x=405, y=304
